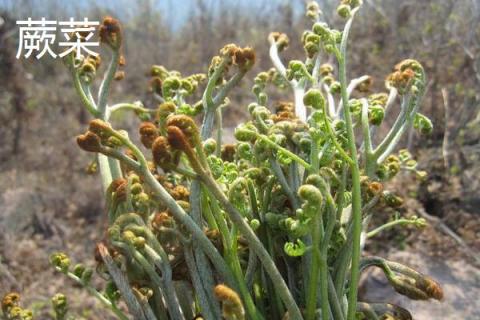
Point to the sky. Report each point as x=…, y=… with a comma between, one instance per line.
x=177, y=10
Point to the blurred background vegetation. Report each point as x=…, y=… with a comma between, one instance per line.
x=48, y=201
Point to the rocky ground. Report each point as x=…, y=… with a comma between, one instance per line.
x=434, y=253
x=448, y=249
x=459, y=279
x=36, y=221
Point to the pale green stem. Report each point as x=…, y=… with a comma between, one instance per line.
x=218, y=119
x=251, y=269
x=300, y=109
x=149, y=269
x=88, y=92
x=114, y=166
x=343, y=262
x=201, y=239
x=222, y=93
x=366, y=128
x=252, y=311
x=86, y=100
x=115, y=169
x=277, y=171
x=204, y=269
x=294, y=172
x=311, y=304
x=377, y=262
x=100, y=297
x=105, y=173
x=391, y=98
x=197, y=233
x=285, y=151
x=409, y=108
x=341, y=267
x=221, y=222
x=207, y=98
x=123, y=285
x=368, y=311
x=256, y=246
x=334, y=300
x=314, y=157
x=106, y=83
x=136, y=106
x=159, y=257
x=233, y=258
x=316, y=71
x=210, y=105
x=334, y=140
x=325, y=240
x=370, y=163
x=330, y=103
x=393, y=92
x=400, y=133
x=186, y=172
x=298, y=90
x=197, y=283
x=207, y=213
x=356, y=192
x=161, y=261
x=399, y=122
x=277, y=63
x=351, y=86
x=401, y=222
x=252, y=258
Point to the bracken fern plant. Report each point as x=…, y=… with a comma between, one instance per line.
x=270, y=227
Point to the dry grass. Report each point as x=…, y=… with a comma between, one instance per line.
x=48, y=202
